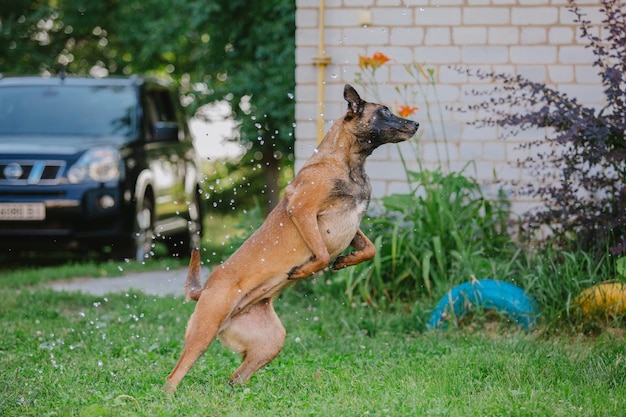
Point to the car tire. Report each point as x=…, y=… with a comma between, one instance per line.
x=141, y=246
x=182, y=244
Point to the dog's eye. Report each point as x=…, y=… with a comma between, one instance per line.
x=386, y=111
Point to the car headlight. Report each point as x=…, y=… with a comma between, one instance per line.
x=97, y=164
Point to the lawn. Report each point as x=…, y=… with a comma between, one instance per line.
x=76, y=355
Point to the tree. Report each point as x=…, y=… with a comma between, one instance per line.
x=234, y=50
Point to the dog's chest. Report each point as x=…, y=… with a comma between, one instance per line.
x=342, y=215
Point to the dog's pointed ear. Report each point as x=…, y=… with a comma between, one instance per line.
x=355, y=104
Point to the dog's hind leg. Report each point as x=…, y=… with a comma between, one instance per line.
x=211, y=312
x=258, y=335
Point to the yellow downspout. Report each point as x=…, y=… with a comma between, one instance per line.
x=322, y=61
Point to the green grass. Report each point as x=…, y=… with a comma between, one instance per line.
x=76, y=355
x=70, y=354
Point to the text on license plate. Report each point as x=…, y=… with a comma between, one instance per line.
x=22, y=211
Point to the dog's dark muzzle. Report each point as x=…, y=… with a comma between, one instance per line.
x=405, y=130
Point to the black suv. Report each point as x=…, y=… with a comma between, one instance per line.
x=89, y=163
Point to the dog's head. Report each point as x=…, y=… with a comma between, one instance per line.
x=374, y=124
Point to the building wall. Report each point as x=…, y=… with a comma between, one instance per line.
x=535, y=38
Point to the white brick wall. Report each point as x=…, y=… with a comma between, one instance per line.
x=535, y=38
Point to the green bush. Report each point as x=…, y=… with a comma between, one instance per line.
x=441, y=233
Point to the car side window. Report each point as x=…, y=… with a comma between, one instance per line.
x=158, y=111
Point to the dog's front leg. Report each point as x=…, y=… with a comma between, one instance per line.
x=320, y=258
x=306, y=223
x=365, y=250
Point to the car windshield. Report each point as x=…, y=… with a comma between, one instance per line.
x=67, y=110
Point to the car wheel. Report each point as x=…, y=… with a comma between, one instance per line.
x=141, y=245
x=184, y=243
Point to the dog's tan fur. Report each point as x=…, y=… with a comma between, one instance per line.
x=315, y=221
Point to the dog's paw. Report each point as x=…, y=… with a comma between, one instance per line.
x=340, y=263
x=296, y=273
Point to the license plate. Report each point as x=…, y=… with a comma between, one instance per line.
x=22, y=211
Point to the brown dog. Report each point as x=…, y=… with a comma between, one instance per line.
x=317, y=219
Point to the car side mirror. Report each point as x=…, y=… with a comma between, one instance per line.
x=165, y=132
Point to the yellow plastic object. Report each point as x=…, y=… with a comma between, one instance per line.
x=607, y=298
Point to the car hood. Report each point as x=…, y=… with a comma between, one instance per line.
x=49, y=145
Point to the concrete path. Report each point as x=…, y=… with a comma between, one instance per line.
x=159, y=283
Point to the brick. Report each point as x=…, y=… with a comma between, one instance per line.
x=471, y=150
x=305, y=93
x=486, y=16
x=503, y=35
x=392, y=16
x=464, y=35
x=575, y=55
x=365, y=36
x=398, y=54
x=304, y=55
x=397, y=187
x=306, y=37
x=437, y=36
x=306, y=18
x=358, y=3
x=449, y=76
x=479, y=134
x=587, y=94
x=587, y=74
x=533, y=54
x=306, y=74
x=561, y=35
x=591, y=13
x=343, y=17
x=438, y=55
x=379, y=188
x=332, y=36
x=438, y=16
x=306, y=111
x=484, y=54
x=561, y=73
x=407, y=36
x=439, y=3
x=494, y=151
x=533, y=36
x=534, y=15
x=534, y=2
x=385, y=170
x=301, y=4
x=535, y=73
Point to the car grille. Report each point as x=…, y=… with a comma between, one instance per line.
x=21, y=172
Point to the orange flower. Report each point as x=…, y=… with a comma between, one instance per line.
x=406, y=111
x=374, y=62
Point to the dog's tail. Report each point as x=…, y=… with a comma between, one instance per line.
x=193, y=287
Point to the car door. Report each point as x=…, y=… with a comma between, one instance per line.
x=165, y=159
